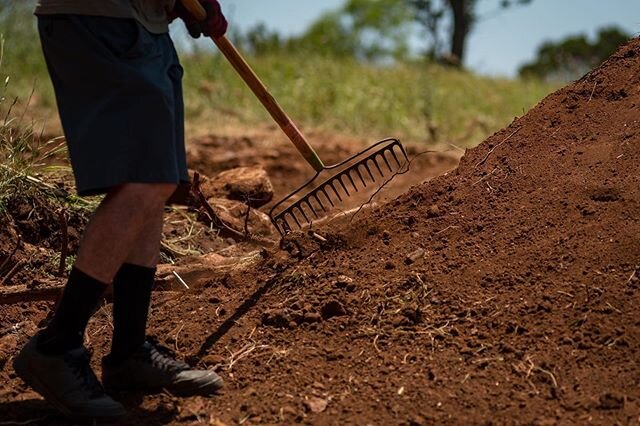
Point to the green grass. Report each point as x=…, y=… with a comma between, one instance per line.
x=417, y=102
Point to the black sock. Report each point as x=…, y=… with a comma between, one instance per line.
x=131, y=298
x=79, y=299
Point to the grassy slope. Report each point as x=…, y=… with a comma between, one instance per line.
x=414, y=101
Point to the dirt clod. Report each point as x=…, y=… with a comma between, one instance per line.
x=414, y=256
x=250, y=185
x=611, y=401
x=433, y=211
x=332, y=309
x=315, y=404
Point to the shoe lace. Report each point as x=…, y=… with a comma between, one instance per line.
x=161, y=357
x=81, y=367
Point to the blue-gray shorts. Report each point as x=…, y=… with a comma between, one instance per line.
x=119, y=94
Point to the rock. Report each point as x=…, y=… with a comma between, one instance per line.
x=433, y=211
x=315, y=404
x=8, y=345
x=234, y=213
x=276, y=318
x=414, y=256
x=213, y=360
x=333, y=309
x=288, y=410
x=311, y=317
x=611, y=401
x=417, y=420
x=345, y=282
x=250, y=185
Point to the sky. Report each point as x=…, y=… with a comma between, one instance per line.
x=500, y=42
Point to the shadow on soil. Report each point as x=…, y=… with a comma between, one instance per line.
x=39, y=412
x=246, y=306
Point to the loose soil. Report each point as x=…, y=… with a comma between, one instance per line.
x=502, y=292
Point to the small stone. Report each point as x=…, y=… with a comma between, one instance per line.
x=276, y=318
x=417, y=420
x=343, y=280
x=333, y=309
x=8, y=345
x=611, y=401
x=414, y=256
x=287, y=409
x=389, y=265
x=213, y=359
x=316, y=405
x=433, y=211
x=312, y=317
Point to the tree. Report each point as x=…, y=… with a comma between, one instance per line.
x=462, y=16
x=365, y=29
x=573, y=56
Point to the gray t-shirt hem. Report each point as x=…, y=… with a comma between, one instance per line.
x=155, y=22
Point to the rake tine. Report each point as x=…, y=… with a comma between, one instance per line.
x=335, y=190
x=295, y=218
x=308, y=201
x=318, y=201
x=384, y=157
x=339, y=179
x=377, y=166
x=366, y=167
x=303, y=214
x=351, y=180
x=393, y=154
x=327, y=196
x=357, y=170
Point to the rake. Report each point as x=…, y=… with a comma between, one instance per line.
x=331, y=186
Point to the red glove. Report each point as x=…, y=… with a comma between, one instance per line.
x=214, y=26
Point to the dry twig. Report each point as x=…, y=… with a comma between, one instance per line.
x=481, y=162
x=215, y=219
x=64, y=245
x=595, y=83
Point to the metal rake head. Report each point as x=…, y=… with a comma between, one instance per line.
x=314, y=200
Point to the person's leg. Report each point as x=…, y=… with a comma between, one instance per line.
x=126, y=213
x=132, y=288
x=133, y=363
x=54, y=362
x=119, y=221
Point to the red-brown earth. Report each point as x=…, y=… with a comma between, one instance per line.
x=502, y=292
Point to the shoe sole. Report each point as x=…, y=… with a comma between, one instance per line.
x=22, y=368
x=177, y=390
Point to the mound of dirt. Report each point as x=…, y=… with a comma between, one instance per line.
x=505, y=291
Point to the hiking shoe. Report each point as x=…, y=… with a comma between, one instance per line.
x=151, y=369
x=67, y=382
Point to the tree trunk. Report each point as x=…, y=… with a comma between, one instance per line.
x=462, y=11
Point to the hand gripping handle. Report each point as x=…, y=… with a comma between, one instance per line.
x=259, y=89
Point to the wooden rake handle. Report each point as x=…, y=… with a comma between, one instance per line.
x=259, y=89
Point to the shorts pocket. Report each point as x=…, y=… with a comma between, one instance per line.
x=124, y=38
